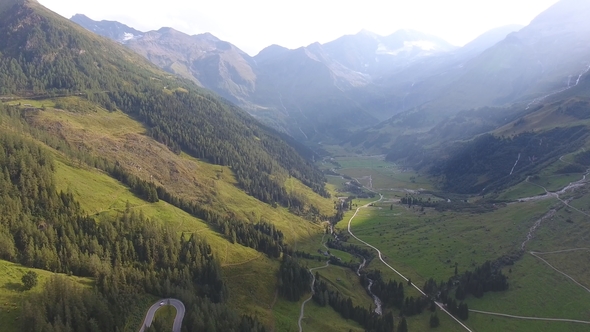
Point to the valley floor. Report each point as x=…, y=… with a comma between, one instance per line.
x=548, y=282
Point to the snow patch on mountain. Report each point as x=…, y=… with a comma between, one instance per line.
x=409, y=46
x=128, y=36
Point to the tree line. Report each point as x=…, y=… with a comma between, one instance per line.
x=293, y=279
x=344, y=306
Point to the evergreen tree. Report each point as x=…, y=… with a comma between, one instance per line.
x=434, y=320
x=403, y=325
x=29, y=280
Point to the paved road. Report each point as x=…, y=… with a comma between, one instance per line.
x=149, y=317
x=440, y=306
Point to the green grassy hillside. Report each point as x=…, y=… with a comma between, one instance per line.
x=115, y=135
x=12, y=291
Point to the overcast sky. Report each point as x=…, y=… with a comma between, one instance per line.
x=254, y=24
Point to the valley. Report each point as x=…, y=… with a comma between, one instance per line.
x=372, y=183
x=419, y=250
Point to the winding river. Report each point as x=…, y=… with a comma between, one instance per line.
x=376, y=299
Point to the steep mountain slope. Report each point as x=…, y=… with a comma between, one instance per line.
x=212, y=63
x=373, y=54
x=110, y=159
x=314, y=93
x=490, y=149
x=487, y=40
x=55, y=62
x=542, y=59
x=311, y=88
x=425, y=78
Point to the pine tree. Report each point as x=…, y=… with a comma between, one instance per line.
x=434, y=321
x=29, y=280
x=403, y=325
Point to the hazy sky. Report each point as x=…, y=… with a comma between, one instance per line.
x=254, y=24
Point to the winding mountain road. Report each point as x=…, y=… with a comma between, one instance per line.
x=149, y=317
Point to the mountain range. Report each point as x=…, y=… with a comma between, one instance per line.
x=314, y=93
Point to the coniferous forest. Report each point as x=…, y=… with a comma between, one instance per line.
x=128, y=255
x=175, y=112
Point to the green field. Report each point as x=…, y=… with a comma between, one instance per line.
x=428, y=243
x=165, y=317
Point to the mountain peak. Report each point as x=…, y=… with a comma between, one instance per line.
x=110, y=29
x=207, y=36
x=270, y=52
x=79, y=16
x=365, y=32
x=564, y=13
x=167, y=30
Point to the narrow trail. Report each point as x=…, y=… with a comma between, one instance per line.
x=312, y=292
x=243, y=262
x=536, y=254
x=312, y=284
x=270, y=309
x=440, y=306
x=563, y=161
x=531, y=318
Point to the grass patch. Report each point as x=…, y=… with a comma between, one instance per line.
x=427, y=244
x=12, y=293
x=165, y=316
x=487, y=323
x=252, y=287
x=388, y=178
x=347, y=283
x=537, y=291
x=315, y=318
x=521, y=190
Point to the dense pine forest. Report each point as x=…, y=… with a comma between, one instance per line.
x=128, y=255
